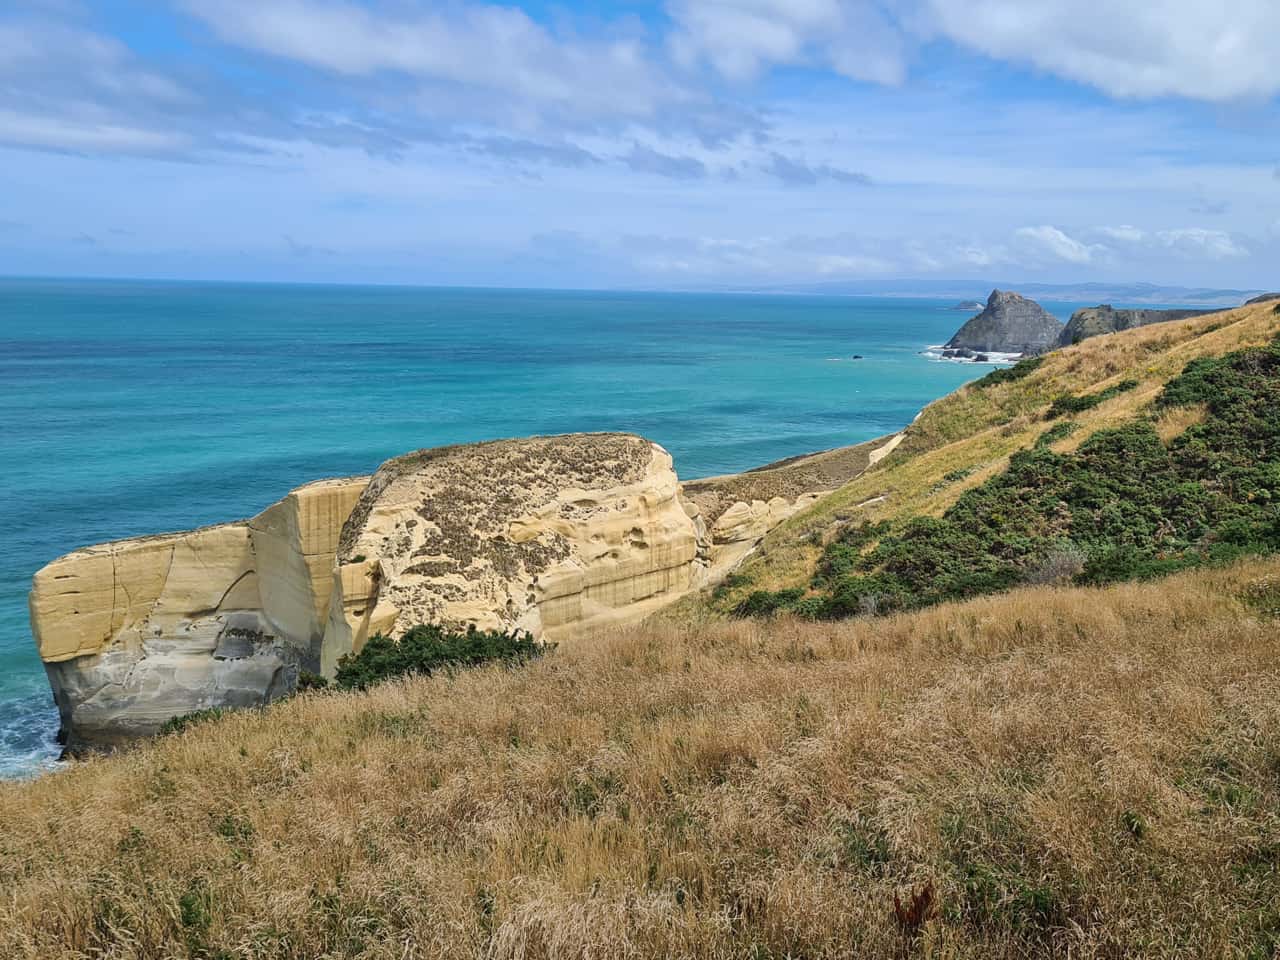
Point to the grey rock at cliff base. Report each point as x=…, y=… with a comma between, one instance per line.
x=1010, y=323
x=1096, y=321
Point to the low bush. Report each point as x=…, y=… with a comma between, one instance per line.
x=762, y=603
x=1020, y=370
x=427, y=648
x=1059, y=431
x=178, y=724
x=1069, y=404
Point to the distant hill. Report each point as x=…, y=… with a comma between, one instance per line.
x=1136, y=294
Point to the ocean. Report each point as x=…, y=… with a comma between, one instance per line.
x=141, y=407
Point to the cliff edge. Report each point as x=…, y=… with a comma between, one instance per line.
x=1104, y=319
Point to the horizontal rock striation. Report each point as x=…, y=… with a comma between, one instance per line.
x=137, y=631
x=1104, y=319
x=555, y=535
x=1010, y=323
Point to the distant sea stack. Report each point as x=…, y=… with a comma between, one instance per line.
x=1095, y=321
x=1010, y=323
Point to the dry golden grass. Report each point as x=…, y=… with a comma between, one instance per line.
x=977, y=430
x=1086, y=773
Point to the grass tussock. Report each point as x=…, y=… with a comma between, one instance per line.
x=1071, y=772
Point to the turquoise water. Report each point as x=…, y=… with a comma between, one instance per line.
x=133, y=408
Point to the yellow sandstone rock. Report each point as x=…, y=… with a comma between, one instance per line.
x=137, y=631
x=555, y=535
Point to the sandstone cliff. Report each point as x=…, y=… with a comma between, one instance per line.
x=137, y=631
x=555, y=535
x=1010, y=323
x=1103, y=319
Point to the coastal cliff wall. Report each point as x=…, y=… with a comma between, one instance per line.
x=137, y=631
x=555, y=535
x=1104, y=319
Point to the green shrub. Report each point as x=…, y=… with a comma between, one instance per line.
x=760, y=603
x=1059, y=431
x=1021, y=369
x=311, y=681
x=427, y=648
x=187, y=720
x=1069, y=404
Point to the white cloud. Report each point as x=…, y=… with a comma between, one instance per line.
x=837, y=265
x=83, y=134
x=741, y=38
x=68, y=89
x=1127, y=48
x=1123, y=233
x=1052, y=241
x=495, y=49
x=1196, y=242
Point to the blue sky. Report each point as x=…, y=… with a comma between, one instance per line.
x=679, y=144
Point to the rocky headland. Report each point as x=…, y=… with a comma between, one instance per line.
x=557, y=536
x=1104, y=319
x=1010, y=324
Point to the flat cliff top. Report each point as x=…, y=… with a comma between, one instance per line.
x=1104, y=319
x=488, y=483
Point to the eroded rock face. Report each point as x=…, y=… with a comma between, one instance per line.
x=1103, y=319
x=137, y=631
x=1010, y=323
x=554, y=535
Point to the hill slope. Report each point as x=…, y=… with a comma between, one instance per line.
x=1083, y=771
x=966, y=439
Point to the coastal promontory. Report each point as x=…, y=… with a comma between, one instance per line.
x=1009, y=324
x=1104, y=319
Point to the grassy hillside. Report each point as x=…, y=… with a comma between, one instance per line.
x=1085, y=772
x=968, y=437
